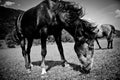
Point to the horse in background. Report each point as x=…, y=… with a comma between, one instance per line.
x=41, y=21
x=107, y=31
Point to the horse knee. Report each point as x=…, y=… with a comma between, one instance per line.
x=43, y=53
x=23, y=53
x=23, y=48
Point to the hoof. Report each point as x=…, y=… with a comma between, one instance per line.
x=65, y=64
x=86, y=71
x=28, y=71
x=43, y=71
x=31, y=65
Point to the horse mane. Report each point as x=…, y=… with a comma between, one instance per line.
x=72, y=8
x=87, y=26
x=86, y=22
x=59, y=6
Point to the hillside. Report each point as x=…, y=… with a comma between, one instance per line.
x=117, y=33
x=7, y=20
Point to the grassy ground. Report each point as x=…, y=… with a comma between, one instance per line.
x=106, y=64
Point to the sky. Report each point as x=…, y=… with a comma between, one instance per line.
x=98, y=11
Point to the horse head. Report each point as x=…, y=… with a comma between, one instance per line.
x=84, y=43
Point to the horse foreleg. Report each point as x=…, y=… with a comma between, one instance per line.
x=98, y=43
x=29, y=45
x=90, y=54
x=43, y=53
x=60, y=48
x=22, y=44
x=85, y=52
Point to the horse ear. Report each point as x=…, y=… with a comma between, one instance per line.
x=81, y=12
x=96, y=30
x=96, y=26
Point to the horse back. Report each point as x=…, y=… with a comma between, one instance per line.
x=35, y=18
x=108, y=30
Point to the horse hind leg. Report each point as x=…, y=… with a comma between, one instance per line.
x=110, y=43
x=26, y=54
x=22, y=44
x=29, y=65
x=109, y=46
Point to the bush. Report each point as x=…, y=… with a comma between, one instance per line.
x=66, y=37
x=8, y=39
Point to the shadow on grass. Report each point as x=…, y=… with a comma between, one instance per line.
x=48, y=63
x=101, y=48
x=51, y=64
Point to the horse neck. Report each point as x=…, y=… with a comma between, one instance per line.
x=71, y=29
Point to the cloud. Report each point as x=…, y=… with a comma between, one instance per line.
x=117, y=12
x=8, y=3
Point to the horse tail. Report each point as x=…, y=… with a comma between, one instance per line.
x=17, y=33
x=18, y=22
x=113, y=29
x=15, y=37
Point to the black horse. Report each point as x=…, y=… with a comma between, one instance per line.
x=84, y=34
x=43, y=20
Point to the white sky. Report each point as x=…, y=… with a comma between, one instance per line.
x=100, y=11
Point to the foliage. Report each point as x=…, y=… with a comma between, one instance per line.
x=66, y=37
x=10, y=43
x=117, y=33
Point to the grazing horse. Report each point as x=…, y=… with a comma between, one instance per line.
x=108, y=31
x=84, y=34
x=41, y=21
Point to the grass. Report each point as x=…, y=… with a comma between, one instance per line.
x=106, y=63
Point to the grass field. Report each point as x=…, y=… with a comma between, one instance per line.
x=106, y=64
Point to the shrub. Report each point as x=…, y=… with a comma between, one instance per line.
x=8, y=39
